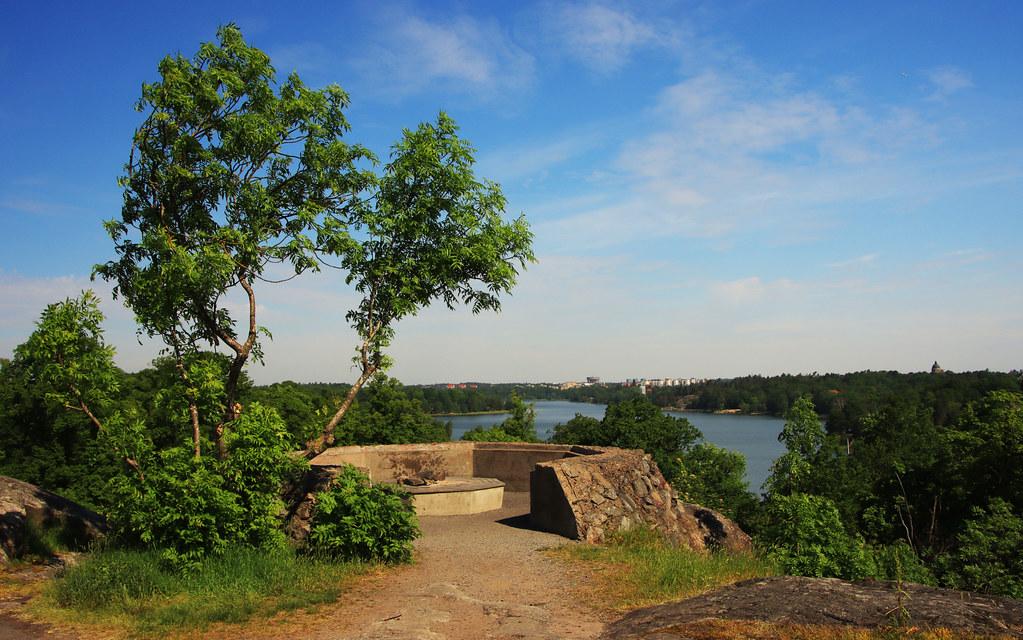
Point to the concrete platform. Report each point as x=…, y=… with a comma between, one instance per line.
x=457, y=495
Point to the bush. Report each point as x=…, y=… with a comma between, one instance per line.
x=192, y=508
x=357, y=520
x=805, y=536
x=989, y=556
x=490, y=434
x=898, y=562
x=715, y=478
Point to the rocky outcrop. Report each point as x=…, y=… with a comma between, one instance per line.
x=300, y=500
x=23, y=505
x=827, y=601
x=596, y=493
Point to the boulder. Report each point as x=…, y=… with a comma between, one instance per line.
x=23, y=504
x=592, y=496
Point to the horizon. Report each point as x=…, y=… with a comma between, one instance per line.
x=714, y=188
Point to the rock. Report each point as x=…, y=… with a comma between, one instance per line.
x=592, y=496
x=826, y=601
x=22, y=504
x=300, y=498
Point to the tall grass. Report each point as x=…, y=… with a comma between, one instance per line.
x=134, y=588
x=639, y=567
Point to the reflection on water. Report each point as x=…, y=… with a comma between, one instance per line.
x=756, y=437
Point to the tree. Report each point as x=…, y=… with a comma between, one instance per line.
x=229, y=176
x=434, y=233
x=803, y=437
x=67, y=362
x=635, y=424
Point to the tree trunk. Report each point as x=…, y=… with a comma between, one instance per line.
x=316, y=447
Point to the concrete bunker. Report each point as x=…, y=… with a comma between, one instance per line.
x=576, y=491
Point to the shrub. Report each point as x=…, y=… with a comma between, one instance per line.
x=490, y=434
x=989, y=556
x=192, y=508
x=805, y=536
x=898, y=562
x=357, y=520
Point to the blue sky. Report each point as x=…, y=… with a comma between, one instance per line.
x=716, y=188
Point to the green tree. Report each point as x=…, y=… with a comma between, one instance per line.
x=803, y=437
x=989, y=552
x=521, y=423
x=230, y=175
x=635, y=424
x=806, y=537
x=714, y=477
x=67, y=362
x=434, y=233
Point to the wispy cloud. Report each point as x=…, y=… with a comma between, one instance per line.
x=37, y=207
x=602, y=37
x=460, y=55
x=858, y=261
x=945, y=81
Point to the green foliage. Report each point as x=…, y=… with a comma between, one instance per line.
x=989, y=552
x=67, y=358
x=714, y=477
x=806, y=537
x=54, y=394
x=230, y=174
x=435, y=233
x=520, y=426
x=117, y=586
x=803, y=437
x=359, y=520
x=193, y=508
x=635, y=424
x=490, y=434
x=384, y=414
x=898, y=563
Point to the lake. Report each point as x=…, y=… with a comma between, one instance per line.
x=756, y=437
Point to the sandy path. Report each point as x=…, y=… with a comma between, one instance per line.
x=480, y=576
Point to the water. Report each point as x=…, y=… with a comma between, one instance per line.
x=756, y=437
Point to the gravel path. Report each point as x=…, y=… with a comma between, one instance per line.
x=479, y=576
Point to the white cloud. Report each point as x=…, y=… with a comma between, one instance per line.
x=858, y=261
x=946, y=81
x=753, y=289
x=603, y=38
x=463, y=55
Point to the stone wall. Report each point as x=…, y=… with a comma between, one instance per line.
x=592, y=496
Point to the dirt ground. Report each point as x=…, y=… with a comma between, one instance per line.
x=475, y=577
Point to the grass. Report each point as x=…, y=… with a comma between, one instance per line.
x=134, y=590
x=639, y=567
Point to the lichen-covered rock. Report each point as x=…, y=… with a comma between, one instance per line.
x=592, y=496
x=23, y=504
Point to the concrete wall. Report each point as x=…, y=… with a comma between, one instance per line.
x=512, y=462
x=389, y=462
x=578, y=492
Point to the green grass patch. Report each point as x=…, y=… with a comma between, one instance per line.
x=639, y=567
x=136, y=589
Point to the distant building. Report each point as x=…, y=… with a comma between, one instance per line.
x=592, y=379
x=936, y=368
